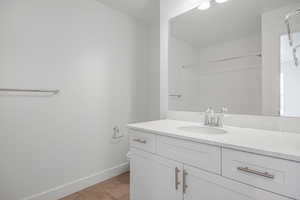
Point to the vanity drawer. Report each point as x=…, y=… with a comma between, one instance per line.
x=202, y=156
x=142, y=140
x=272, y=174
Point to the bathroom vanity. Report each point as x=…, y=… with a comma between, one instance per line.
x=238, y=54
x=176, y=160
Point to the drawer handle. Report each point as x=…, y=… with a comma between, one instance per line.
x=140, y=141
x=177, y=182
x=184, y=185
x=251, y=171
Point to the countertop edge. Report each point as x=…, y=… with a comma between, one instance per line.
x=221, y=145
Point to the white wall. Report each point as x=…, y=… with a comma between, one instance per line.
x=154, y=71
x=273, y=27
x=202, y=83
x=96, y=57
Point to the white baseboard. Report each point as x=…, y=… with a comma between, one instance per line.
x=77, y=185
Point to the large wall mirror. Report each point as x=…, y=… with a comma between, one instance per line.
x=241, y=54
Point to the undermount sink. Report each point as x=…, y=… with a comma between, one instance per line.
x=202, y=130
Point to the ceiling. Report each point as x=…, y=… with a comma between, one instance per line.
x=145, y=10
x=223, y=22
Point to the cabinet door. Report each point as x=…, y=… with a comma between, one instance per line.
x=206, y=186
x=154, y=178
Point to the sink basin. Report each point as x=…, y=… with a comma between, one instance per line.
x=202, y=130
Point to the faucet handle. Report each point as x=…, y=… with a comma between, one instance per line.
x=220, y=119
x=208, y=110
x=224, y=110
x=208, y=116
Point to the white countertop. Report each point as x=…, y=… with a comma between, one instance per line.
x=271, y=143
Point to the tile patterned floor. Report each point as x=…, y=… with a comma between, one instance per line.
x=113, y=189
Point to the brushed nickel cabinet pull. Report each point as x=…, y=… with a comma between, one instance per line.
x=255, y=172
x=184, y=185
x=177, y=182
x=140, y=141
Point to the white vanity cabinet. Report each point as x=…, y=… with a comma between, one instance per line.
x=169, y=168
x=154, y=177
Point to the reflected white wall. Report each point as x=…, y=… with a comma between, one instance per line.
x=205, y=83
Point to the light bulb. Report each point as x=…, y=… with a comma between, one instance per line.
x=204, y=6
x=221, y=1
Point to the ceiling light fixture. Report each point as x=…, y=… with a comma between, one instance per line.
x=207, y=4
x=204, y=5
x=221, y=1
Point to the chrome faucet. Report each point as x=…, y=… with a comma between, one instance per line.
x=214, y=119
